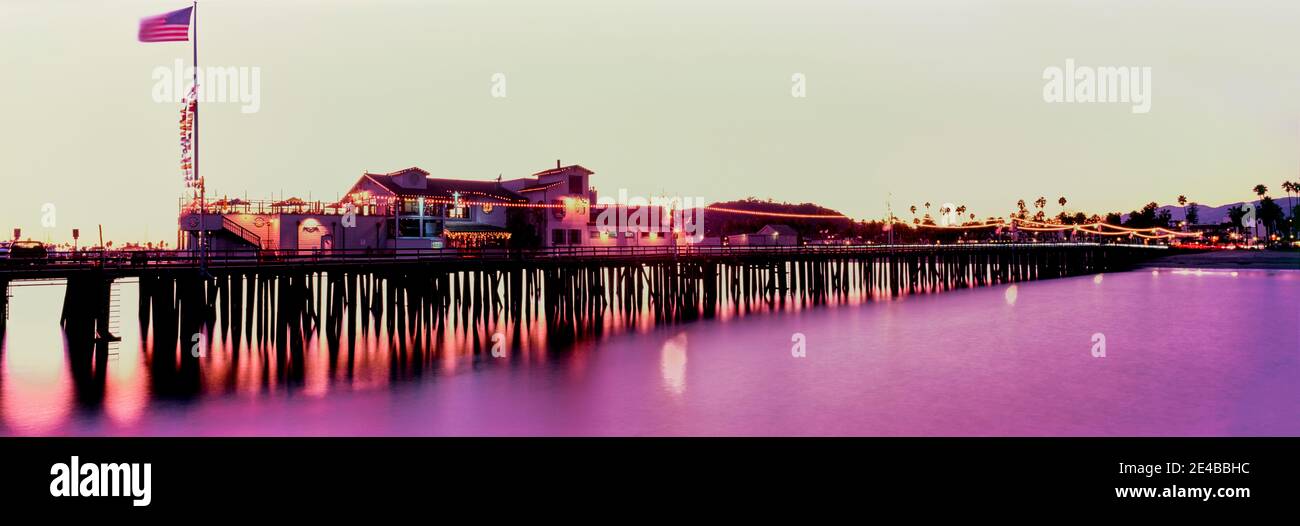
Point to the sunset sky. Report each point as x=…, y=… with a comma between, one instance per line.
x=936, y=101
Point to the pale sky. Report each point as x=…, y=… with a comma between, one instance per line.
x=936, y=101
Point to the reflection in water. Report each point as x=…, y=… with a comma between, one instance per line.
x=310, y=334
x=282, y=344
x=672, y=363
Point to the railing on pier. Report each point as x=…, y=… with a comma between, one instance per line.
x=243, y=233
x=264, y=206
x=245, y=258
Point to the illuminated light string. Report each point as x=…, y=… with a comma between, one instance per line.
x=1024, y=224
x=467, y=203
x=1166, y=232
x=1100, y=233
x=986, y=224
x=777, y=214
x=1037, y=226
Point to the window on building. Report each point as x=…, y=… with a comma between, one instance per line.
x=432, y=228
x=410, y=206
x=408, y=227
x=575, y=237
x=457, y=212
x=557, y=236
x=576, y=186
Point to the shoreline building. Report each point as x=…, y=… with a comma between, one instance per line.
x=769, y=235
x=423, y=212
x=409, y=209
x=559, y=205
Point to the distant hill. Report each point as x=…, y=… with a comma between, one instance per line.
x=1219, y=214
x=722, y=223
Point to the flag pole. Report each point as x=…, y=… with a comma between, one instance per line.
x=203, y=188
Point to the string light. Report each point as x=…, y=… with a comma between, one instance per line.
x=954, y=227
x=1095, y=228
x=777, y=214
x=1100, y=233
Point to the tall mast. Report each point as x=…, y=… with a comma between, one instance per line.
x=203, y=188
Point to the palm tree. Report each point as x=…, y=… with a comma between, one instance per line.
x=1271, y=215
x=1290, y=188
x=1182, y=201
x=1261, y=191
x=1061, y=201
x=1235, y=215
x=1020, y=205
x=1039, y=203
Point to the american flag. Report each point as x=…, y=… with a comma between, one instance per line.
x=167, y=27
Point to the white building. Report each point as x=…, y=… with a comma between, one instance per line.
x=770, y=235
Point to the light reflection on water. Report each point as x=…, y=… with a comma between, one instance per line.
x=1189, y=353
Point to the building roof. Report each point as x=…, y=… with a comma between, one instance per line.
x=540, y=186
x=575, y=168
x=783, y=230
x=403, y=171
x=444, y=187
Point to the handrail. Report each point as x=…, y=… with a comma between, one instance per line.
x=253, y=258
x=242, y=232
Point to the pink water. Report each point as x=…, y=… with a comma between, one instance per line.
x=1199, y=353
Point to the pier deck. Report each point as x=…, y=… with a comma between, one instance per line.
x=144, y=263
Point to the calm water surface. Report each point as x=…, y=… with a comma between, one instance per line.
x=1211, y=352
